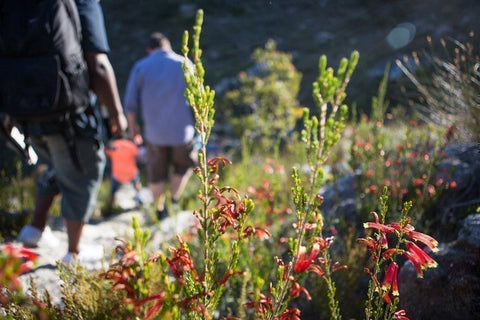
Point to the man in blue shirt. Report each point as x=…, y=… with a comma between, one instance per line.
x=156, y=91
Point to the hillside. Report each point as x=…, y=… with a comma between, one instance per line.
x=305, y=28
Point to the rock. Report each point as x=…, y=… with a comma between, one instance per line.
x=459, y=165
x=340, y=199
x=452, y=290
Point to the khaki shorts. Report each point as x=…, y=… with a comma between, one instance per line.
x=79, y=189
x=160, y=159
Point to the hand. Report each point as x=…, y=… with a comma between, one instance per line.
x=137, y=139
x=8, y=124
x=118, y=125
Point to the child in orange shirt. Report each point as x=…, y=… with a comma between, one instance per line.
x=123, y=155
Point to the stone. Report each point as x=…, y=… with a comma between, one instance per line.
x=452, y=290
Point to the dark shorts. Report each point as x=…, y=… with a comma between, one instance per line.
x=160, y=159
x=94, y=35
x=79, y=190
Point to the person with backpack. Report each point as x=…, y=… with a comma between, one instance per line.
x=68, y=139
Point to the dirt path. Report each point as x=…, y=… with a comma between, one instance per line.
x=98, y=241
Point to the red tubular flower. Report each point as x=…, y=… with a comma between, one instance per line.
x=378, y=226
x=302, y=262
x=316, y=269
x=289, y=314
x=261, y=304
x=425, y=239
x=20, y=253
x=401, y=315
x=26, y=256
x=181, y=262
x=297, y=289
x=371, y=243
x=390, y=283
x=419, y=258
x=130, y=258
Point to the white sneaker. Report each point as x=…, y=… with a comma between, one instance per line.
x=30, y=236
x=89, y=255
x=33, y=237
x=70, y=259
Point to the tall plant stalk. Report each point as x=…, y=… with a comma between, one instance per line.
x=222, y=207
x=319, y=136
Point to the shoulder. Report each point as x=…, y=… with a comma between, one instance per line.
x=141, y=63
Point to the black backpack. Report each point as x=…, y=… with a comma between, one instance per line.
x=43, y=73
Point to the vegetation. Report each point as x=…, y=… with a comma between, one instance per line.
x=264, y=108
x=448, y=86
x=245, y=260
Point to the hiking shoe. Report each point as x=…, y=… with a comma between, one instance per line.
x=29, y=236
x=70, y=259
x=162, y=214
x=33, y=237
x=90, y=255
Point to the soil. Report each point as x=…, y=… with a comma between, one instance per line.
x=382, y=31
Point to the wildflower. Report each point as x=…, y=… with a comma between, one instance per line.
x=262, y=304
x=452, y=185
x=297, y=289
x=18, y=261
x=268, y=169
x=20, y=253
x=379, y=226
x=315, y=268
x=303, y=262
x=289, y=314
x=419, y=258
x=280, y=169
x=390, y=283
x=261, y=233
x=130, y=258
x=215, y=163
x=401, y=315
x=181, y=262
x=425, y=239
x=337, y=266
x=418, y=182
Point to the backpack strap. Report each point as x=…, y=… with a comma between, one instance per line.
x=72, y=11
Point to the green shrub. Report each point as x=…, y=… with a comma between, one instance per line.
x=264, y=107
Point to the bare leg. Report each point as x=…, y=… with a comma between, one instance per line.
x=40, y=214
x=178, y=183
x=158, y=192
x=74, y=231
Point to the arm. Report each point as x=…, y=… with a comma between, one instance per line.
x=135, y=133
x=104, y=84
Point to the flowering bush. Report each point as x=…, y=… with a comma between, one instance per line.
x=250, y=261
x=386, y=245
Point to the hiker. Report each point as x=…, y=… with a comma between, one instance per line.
x=123, y=155
x=155, y=90
x=79, y=188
